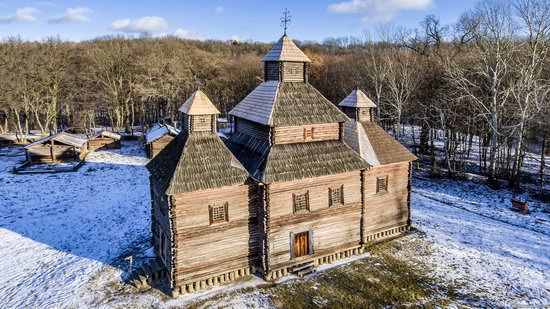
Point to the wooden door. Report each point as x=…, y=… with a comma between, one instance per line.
x=301, y=244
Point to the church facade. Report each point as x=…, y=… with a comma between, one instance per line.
x=301, y=182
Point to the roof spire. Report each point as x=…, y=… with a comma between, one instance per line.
x=285, y=19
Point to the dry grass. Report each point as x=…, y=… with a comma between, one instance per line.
x=377, y=281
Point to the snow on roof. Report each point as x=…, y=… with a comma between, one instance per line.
x=106, y=133
x=159, y=130
x=61, y=137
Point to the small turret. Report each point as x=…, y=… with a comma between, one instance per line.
x=358, y=106
x=199, y=113
x=285, y=62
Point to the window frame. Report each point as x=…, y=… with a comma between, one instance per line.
x=340, y=198
x=295, y=202
x=309, y=133
x=211, y=210
x=385, y=179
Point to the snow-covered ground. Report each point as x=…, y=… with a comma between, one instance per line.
x=58, y=230
x=64, y=237
x=473, y=240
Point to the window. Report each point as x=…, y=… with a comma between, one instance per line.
x=308, y=133
x=202, y=120
x=382, y=184
x=293, y=70
x=218, y=213
x=336, y=196
x=301, y=202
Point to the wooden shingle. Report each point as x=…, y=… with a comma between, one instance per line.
x=196, y=161
x=285, y=50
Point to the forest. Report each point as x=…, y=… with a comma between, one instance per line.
x=484, y=79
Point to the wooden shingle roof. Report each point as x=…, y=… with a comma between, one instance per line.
x=199, y=104
x=287, y=104
x=374, y=144
x=285, y=50
x=357, y=98
x=288, y=162
x=356, y=138
x=196, y=161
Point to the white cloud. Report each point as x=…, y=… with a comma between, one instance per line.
x=378, y=9
x=236, y=38
x=24, y=15
x=147, y=24
x=219, y=9
x=188, y=34
x=78, y=14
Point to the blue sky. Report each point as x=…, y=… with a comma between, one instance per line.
x=209, y=19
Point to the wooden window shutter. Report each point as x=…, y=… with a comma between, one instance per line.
x=342, y=195
x=312, y=132
x=329, y=197
x=226, y=208
x=211, y=214
x=310, y=240
x=291, y=245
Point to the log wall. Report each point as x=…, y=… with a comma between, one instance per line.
x=204, y=249
x=203, y=123
x=156, y=146
x=389, y=209
x=293, y=71
x=46, y=153
x=297, y=134
x=252, y=129
x=272, y=70
x=103, y=143
x=333, y=228
x=161, y=225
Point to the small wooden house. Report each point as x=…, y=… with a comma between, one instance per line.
x=104, y=140
x=157, y=137
x=59, y=147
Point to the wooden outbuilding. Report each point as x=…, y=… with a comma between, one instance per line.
x=59, y=147
x=297, y=185
x=104, y=140
x=157, y=137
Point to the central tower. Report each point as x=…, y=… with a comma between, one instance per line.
x=289, y=138
x=285, y=62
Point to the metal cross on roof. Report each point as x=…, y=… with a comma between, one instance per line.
x=285, y=19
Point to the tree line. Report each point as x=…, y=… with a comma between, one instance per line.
x=484, y=79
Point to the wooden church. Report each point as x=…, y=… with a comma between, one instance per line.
x=299, y=183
